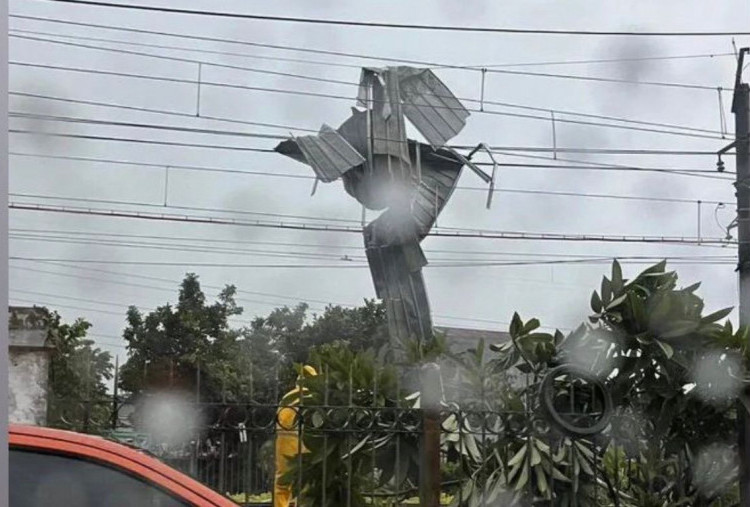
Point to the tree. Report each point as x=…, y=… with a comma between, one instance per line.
x=292, y=336
x=77, y=374
x=648, y=342
x=170, y=346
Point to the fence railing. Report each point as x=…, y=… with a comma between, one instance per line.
x=570, y=447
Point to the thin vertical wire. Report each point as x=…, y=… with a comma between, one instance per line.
x=481, y=96
x=277, y=404
x=198, y=94
x=349, y=443
x=166, y=185
x=699, y=221
x=554, y=136
x=300, y=422
x=483, y=415
x=722, y=115
x=396, y=480
x=373, y=451
x=222, y=460
x=325, y=436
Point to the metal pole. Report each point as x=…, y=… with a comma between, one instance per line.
x=742, y=146
x=429, y=455
x=115, y=400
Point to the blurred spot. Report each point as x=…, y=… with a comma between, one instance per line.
x=715, y=468
x=168, y=418
x=714, y=377
x=628, y=429
x=593, y=354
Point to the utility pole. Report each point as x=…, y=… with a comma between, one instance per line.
x=741, y=110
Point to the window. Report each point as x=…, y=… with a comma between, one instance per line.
x=40, y=479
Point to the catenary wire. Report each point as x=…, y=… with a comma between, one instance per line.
x=340, y=54
x=457, y=233
x=303, y=93
x=310, y=177
x=717, y=135
x=373, y=24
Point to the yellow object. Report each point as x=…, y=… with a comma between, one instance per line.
x=288, y=445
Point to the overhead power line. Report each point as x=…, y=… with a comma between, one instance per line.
x=212, y=242
x=437, y=261
x=153, y=126
x=257, y=135
x=174, y=283
x=171, y=290
x=563, y=162
x=495, y=148
x=304, y=93
x=139, y=141
x=340, y=54
x=565, y=166
x=503, y=190
x=474, y=67
x=482, y=101
x=663, y=128
x=457, y=233
x=729, y=260
x=373, y=24
x=165, y=112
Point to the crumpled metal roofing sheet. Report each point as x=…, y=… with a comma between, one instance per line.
x=430, y=106
x=329, y=154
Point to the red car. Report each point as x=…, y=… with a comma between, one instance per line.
x=55, y=467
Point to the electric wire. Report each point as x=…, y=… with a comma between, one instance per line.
x=349, y=83
x=304, y=93
x=373, y=24
x=310, y=177
x=438, y=232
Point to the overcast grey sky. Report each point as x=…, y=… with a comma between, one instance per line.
x=557, y=295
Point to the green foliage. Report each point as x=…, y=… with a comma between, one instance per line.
x=77, y=374
x=646, y=339
x=341, y=466
x=167, y=346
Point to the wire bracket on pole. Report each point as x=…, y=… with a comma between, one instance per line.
x=481, y=96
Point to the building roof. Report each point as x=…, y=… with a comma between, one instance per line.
x=461, y=339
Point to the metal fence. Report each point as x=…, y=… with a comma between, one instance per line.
x=566, y=445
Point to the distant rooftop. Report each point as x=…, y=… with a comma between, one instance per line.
x=460, y=339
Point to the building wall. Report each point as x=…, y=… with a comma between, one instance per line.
x=28, y=377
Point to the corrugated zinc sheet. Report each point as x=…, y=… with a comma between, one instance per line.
x=431, y=106
x=400, y=284
x=329, y=154
x=438, y=178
